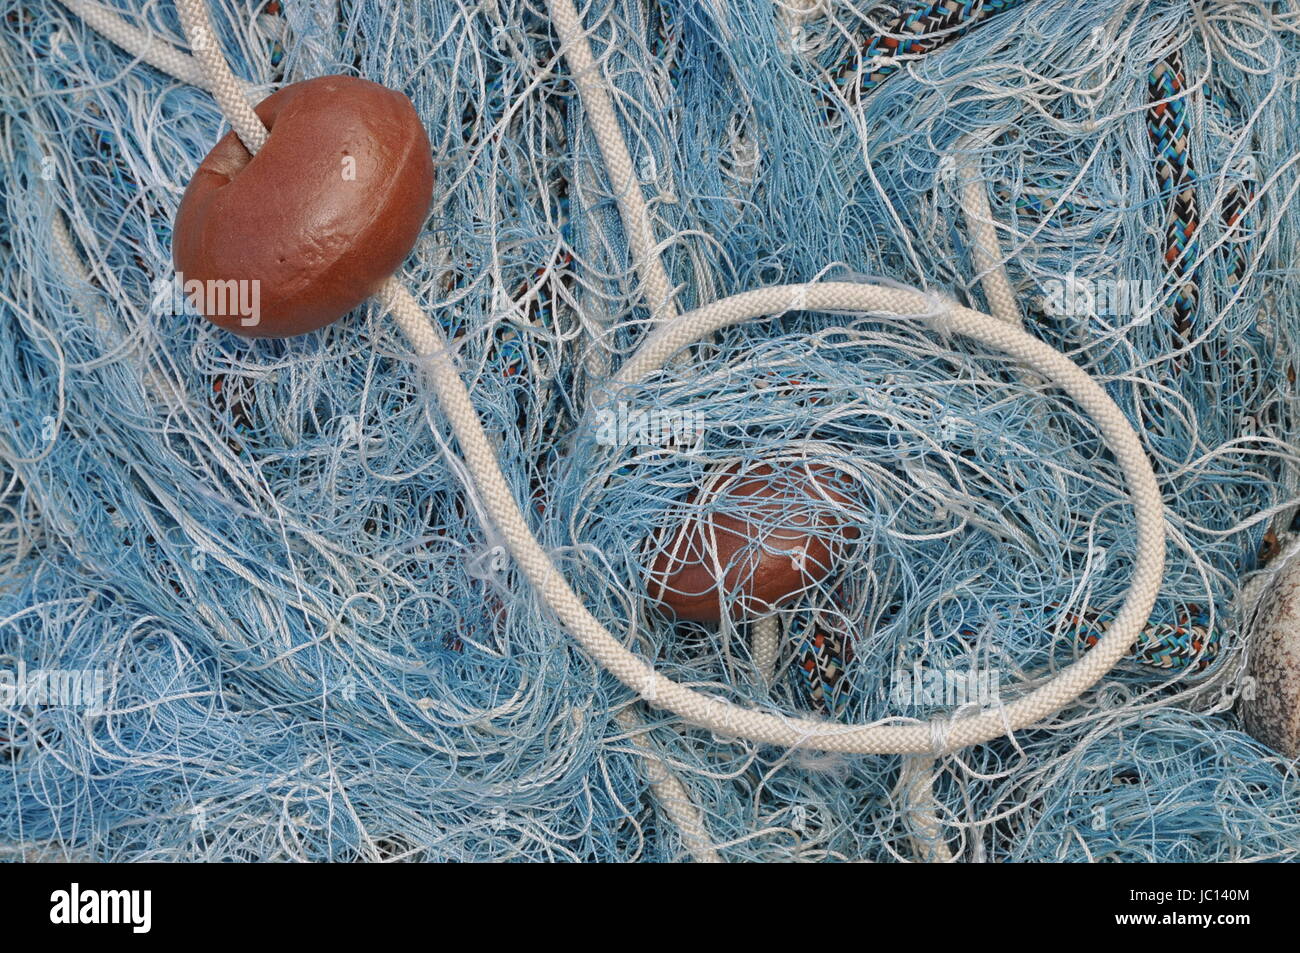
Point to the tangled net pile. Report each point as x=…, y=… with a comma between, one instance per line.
x=315, y=645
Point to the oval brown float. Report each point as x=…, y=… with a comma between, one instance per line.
x=326, y=210
x=775, y=531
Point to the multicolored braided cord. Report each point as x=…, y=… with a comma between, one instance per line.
x=915, y=34
x=824, y=653
x=1188, y=641
x=1168, y=124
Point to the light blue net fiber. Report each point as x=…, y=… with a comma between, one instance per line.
x=312, y=646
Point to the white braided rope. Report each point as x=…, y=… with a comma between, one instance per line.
x=986, y=250
x=222, y=84
x=671, y=794
x=586, y=75
x=765, y=634
x=150, y=49
x=916, y=790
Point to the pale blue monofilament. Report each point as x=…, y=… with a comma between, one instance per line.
x=1161, y=785
x=313, y=647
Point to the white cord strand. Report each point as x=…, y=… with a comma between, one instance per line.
x=986, y=250
x=671, y=794
x=766, y=636
x=916, y=789
x=222, y=84
x=157, y=53
x=618, y=161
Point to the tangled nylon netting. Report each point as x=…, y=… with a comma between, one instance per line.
x=313, y=645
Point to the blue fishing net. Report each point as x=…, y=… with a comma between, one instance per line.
x=310, y=641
